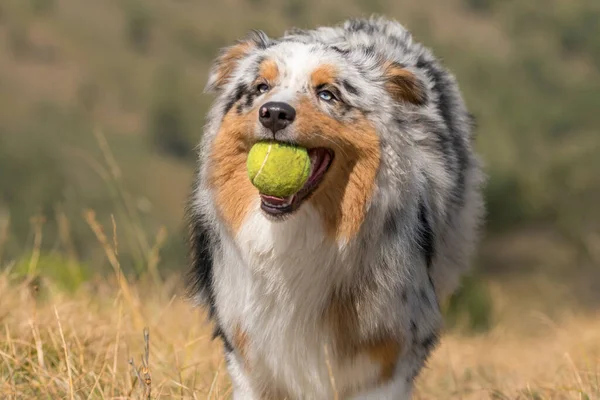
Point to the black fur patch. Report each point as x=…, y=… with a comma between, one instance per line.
x=404, y=296
x=402, y=123
x=357, y=25
x=340, y=51
x=235, y=97
x=200, y=277
x=431, y=283
x=218, y=332
x=429, y=342
x=249, y=100
x=344, y=109
x=350, y=88
x=391, y=230
x=421, y=352
x=398, y=42
x=426, y=236
x=370, y=51
x=260, y=38
x=445, y=105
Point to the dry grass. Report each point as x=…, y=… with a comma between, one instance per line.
x=556, y=362
x=80, y=347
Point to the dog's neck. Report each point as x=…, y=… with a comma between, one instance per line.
x=294, y=259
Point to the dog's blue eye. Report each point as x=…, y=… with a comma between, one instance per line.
x=262, y=88
x=326, y=95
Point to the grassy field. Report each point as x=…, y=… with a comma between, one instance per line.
x=101, y=105
x=114, y=337
x=79, y=346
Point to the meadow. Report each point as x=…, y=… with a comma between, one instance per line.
x=101, y=107
x=91, y=344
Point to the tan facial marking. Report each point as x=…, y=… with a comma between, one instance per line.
x=403, y=85
x=343, y=195
x=227, y=171
x=322, y=75
x=269, y=70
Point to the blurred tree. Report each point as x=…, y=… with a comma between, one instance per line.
x=88, y=95
x=295, y=11
x=138, y=25
x=471, y=307
x=32, y=181
x=168, y=126
x=18, y=38
x=41, y=7
x=481, y=5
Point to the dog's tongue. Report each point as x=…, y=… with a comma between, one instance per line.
x=277, y=201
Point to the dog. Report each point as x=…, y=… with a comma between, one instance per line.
x=334, y=292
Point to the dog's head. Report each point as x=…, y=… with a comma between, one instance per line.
x=333, y=92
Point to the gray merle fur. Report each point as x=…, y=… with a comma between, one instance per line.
x=415, y=242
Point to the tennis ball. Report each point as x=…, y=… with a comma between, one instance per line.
x=278, y=169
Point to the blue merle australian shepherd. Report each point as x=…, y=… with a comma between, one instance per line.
x=333, y=292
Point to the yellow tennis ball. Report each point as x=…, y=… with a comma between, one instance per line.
x=278, y=169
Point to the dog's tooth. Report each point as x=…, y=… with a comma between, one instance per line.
x=313, y=161
x=289, y=200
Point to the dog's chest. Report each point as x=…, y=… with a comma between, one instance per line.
x=272, y=289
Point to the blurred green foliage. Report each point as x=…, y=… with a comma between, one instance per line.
x=138, y=26
x=42, y=6
x=168, y=125
x=471, y=308
x=53, y=269
x=135, y=70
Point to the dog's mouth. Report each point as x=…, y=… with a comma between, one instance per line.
x=320, y=161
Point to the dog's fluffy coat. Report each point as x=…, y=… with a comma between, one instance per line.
x=356, y=274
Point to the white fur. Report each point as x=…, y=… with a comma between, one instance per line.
x=296, y=63
x=273, y=283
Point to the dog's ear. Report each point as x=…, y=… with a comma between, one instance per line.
x=403, y=85
x=225, y=64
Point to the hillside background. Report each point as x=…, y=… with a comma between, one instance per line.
x=101, y=105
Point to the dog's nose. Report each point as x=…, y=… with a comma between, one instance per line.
x=276, y=115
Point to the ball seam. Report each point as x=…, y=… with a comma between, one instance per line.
x=263, y=163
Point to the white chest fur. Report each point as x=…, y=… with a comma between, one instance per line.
x=273, y=285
